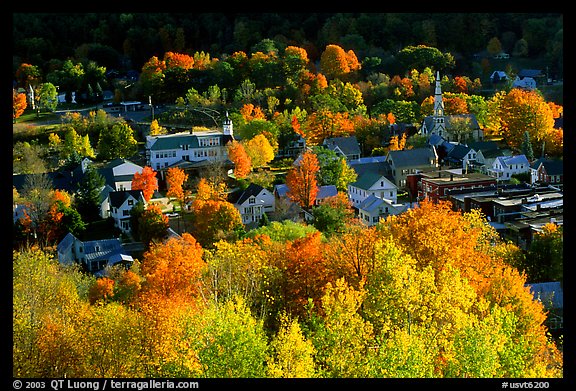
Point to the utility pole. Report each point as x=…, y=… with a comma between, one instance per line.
x=151, y=106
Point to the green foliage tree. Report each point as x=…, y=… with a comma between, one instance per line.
x=117, y=141
x=88, y=194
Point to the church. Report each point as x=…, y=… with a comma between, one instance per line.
x=460, y=128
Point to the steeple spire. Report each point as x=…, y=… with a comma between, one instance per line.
x=439, y=126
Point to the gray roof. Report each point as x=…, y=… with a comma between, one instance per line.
x=411, y=157
x=117, y=198
x=552, y=166
x=326, y=191
x=448, y=119
x=102, y=249
x=459, y=152
x=176, y=141
x=371, y=203
x=515, y=159
x=484, y=146
x=66, y=243
x=366, y=180
x=348, y=145
x=323, y=191
x=549, y=293
x=281, y=189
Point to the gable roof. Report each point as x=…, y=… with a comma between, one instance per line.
x=368, y=179
x=102, y=249
x=483, y=145
x=348, y=145
x=514, y=159
x=412, y=157
x=326, y=191
x=552, y=166
x=459, y=151
x=449, y=119
x=117, y=198
x=251, y=191
x=372, y=203
x=66, y=243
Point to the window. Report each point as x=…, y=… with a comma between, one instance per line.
x=125, y=212
x=130, y=202
x=252, y=200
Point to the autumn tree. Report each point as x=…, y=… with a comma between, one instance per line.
x=173, y=268
x=335, y=62
x=156, y=129
x=302, y=182
x=19, y=104
x=145, y=181
x=238, y=156
x=259, y=150
x=292, y=353
x=306, y=272
x=521, y=111
x=214, y=217
x=175, y=179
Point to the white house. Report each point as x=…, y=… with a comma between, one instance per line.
x=373, y=208
x=119, y=173
x=254, y=202
x=200, y=148
x=371, y=183
x=504, y=167
x=119, y=204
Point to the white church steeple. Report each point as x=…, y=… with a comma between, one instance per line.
x=439, y=127
x=227, y=127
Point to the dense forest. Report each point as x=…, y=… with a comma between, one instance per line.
x=127, y=40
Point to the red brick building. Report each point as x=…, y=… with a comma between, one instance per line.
x=433, y=185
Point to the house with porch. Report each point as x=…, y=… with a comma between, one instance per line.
x=119, y=204
x=92, y=255
x=189, y=150
x=504, y=167
x=253, y=203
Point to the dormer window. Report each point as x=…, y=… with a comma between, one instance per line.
x=252, y=200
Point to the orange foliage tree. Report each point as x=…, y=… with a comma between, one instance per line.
x=19, y=104
x=324, y=123
x=335, y=62
x=173, y=268
x=145, y=181
x=238, y=156
x=306, y=271
x=175, y=178
x=302, y=182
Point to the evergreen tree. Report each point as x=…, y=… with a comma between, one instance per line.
x=88, y=196
x=527, y=147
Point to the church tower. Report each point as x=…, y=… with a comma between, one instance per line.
x=227, y=127
x=439, y=126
